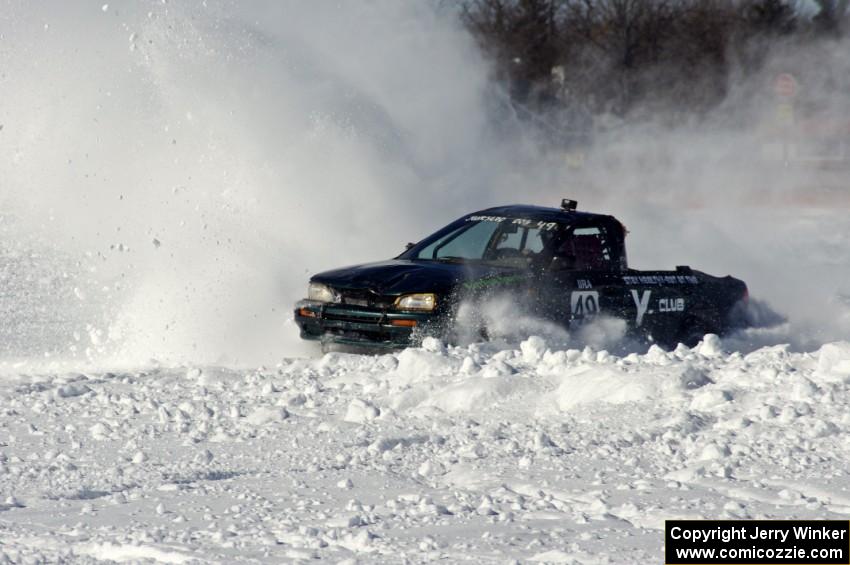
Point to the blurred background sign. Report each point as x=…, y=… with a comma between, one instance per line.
x=785, y=85
x=785, y=114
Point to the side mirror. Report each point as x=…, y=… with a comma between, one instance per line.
x=409, y=246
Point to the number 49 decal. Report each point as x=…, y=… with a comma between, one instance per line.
x=584, y=303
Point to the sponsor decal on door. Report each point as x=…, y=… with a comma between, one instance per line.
x=641, y=304
x=584, y=303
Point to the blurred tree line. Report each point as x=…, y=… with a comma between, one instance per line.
x=625, y=57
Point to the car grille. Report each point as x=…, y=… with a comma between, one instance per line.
x=365, y=299
x=339, y=317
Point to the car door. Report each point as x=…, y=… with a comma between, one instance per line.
x=661, y=302
x=588, y=278
x=584, y=276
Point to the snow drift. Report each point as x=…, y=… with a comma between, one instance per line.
x=534, y=454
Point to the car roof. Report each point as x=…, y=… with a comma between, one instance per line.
x=539, y=213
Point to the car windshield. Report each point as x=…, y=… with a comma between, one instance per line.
x=514, y=242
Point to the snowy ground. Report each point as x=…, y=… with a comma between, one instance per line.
x=467, y=454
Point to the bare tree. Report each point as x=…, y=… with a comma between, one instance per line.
x=625, y=56
x=618, y=38
x=521, y=35
x=832, y=16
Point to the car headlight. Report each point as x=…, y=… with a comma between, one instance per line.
x=320, y=293
x=425, y=302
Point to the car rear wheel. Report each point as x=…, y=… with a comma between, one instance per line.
x=693, y=330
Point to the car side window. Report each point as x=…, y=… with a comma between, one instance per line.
x=467, y=242
x=534, y=241
x=510, y=240
x=524, y=239
x=592, y=249
x=585, y=249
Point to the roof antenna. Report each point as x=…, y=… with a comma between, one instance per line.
x=568, y=205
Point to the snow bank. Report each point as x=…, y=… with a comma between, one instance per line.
x=536, y=453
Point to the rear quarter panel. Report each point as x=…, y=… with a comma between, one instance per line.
x=662, y=306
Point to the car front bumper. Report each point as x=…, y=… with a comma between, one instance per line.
x=347, y=325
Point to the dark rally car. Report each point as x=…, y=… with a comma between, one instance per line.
x=559, y=264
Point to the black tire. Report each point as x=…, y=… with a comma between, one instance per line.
x=693, y=330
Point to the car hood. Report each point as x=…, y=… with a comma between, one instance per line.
x=401, y=276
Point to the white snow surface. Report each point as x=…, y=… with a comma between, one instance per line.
x=472, y=454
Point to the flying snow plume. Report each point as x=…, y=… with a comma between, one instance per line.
x=179, y=170
x=505, y=322
x=176, y=172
